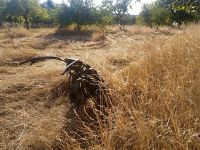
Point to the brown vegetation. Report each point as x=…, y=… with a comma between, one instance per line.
x=154, y=80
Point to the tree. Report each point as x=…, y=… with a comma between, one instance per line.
x=27, y=8
x=41, y=15
x=165, y=12
x=145, y=14
x=189, y=9
x=120, y=10
x=64, y=16
x=22, y=8
x=160, y=16
x=182, y=11
x=2, y=10
x=79, y=12
x=52, y=11
x=50, y=4
x=103, y=16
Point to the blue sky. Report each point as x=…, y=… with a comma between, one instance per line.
x=136, y=7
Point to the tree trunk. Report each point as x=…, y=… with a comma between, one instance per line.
x=122, y=28
x=26, y=23
x=157, y=27
x=78, y=27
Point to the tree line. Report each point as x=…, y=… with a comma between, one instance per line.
x=167, y=12
x=83, y=12
x=78, y=12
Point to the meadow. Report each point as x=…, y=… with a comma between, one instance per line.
x=153, y=75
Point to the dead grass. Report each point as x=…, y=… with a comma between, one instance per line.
x=21, y=32
x=98, y=36
x=166, y=114
x=155, y=85
x=71, y=30
x=14, y=56
x=143, y=30
x=17, y=32
x=140, y=30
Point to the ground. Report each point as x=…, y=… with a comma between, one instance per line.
x=153, y=84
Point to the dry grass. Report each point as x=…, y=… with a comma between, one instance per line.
x=98, y=36
x=141, y=30
x=21, y=32
x=165, y=113
x=71, y=30
x=13, y=56
x=17, y=32
x=155, y=85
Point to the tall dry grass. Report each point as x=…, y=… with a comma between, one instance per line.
x=159, y=97
x=156, y=99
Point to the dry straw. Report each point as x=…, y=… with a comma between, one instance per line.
x=155, y=87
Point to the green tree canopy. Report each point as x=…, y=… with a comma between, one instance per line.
x=2, y=10
x=78, y=12
x=50, y=4
x=145, y=15
x=182, y=10
x=23, y=10
x=165, y=12
x=119, y=8
x=160, y=16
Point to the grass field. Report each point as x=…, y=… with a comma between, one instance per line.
x=153, y=75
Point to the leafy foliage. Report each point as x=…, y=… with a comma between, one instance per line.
x=28, y=12
x=160, y=16
x=145, y=16
x=84, y=12
x=103, y=16
x=164, y=12
x=120, y=10
x=22, y=9
x=78, y=12
x=2, y=10
x=50, y=4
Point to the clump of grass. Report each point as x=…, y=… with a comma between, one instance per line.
x=165, y=113
x=13, y=32
x=65, y=31
x=98, y=36
x=166, y=30
x=21, y=32
x=14, y=56
x=139, y=30
x=71, y=30
x=4, y=70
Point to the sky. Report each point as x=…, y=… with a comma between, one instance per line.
x=136, y=7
